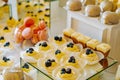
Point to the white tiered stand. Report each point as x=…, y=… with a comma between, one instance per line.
x=93, y=28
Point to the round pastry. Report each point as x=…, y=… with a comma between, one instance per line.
x=30, y=55
x=106, y=5
x=47, y=65
x=2, y=39
x=66, y=73
x=91, y=56
x=74, y=5
x=92, y=10
x=88, y=2
x=6, y=62
x=110, y=18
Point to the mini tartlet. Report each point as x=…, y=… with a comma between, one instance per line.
x=30, y=55
x=91, y=56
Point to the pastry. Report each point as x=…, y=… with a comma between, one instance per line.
x=71, y=47
x=92, y=10
x=106, y=5
x=83, y=40
x=47, y=65
x=66, y=73
x=88, y=2
x=75, y=35
x=30, y=55
x=91, y=56
x=92, y=43
x=104, y=48
x=6, y=62
x=30, y=72
x=68, y=32
x=6, y=29
x=74, y=5
x=2, y=39
x=110, y=18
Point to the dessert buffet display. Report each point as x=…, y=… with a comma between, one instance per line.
x=71, y=56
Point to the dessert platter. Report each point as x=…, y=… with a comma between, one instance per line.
x=68, y=56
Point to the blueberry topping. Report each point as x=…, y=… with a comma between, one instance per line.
x=47, y=9
x=57, y=51
x=28, y=12
x=35, y=15
x=52, y=60
x=25, y=66
x=89, y=51
x=31, y=12
x=6, y=28
x=40, y=11
x=60, y=38
x=1, y=38
x=44, y=44
x=48, y=63
x=56, y=38
x=28, y=1
x=41, y=4
x=63, y=71
x=27, y=6
x=30, y=50
x=40, y=44
x=35, y=4
x=19, y=19
x=19, y=3
x=47, y=15
x=72, y=59
x=6, y=44
x=70, y=45
x=10, y=18
x=6, y=59
x=68, y=70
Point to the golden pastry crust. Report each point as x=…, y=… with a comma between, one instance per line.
x=68, y=32
x=104, y=48
x=75, y=35
x=92, y=43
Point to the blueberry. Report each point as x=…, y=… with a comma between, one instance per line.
x=89, y=51
x=63, y=71
x=6, y=44
x=60, y=38
x=52, y=60
x=40, y=44
x=1, y=38
x=44, y=44
x=6, y=59
x=71, y=43
x=47, y=15
x=19, y=3
x=27, y=6
x=6, y=28
x=19, y=19
x=31, y=12
x=47, y=9
x=40, y=11
x=35, y=4
x=57, y=51
x=41, y=4
x=10, y=18
x=48, y=63
x=68, y=70
x=28, y=1
x=72, y=59
x=26, y=66
x=56, y=38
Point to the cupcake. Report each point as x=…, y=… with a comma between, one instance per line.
x=92, y=43
x=66, y=73
x=6, y=62
x=47, y=65
x=91, y=56
x=30, y=55
x=104, y=48
x=68, y=32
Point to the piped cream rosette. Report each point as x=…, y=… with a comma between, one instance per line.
x=72, y=48
x=31, y=55
x=66, y=73
x=47, y=64
x=91, y=56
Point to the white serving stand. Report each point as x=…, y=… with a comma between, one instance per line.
x=92, y=27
